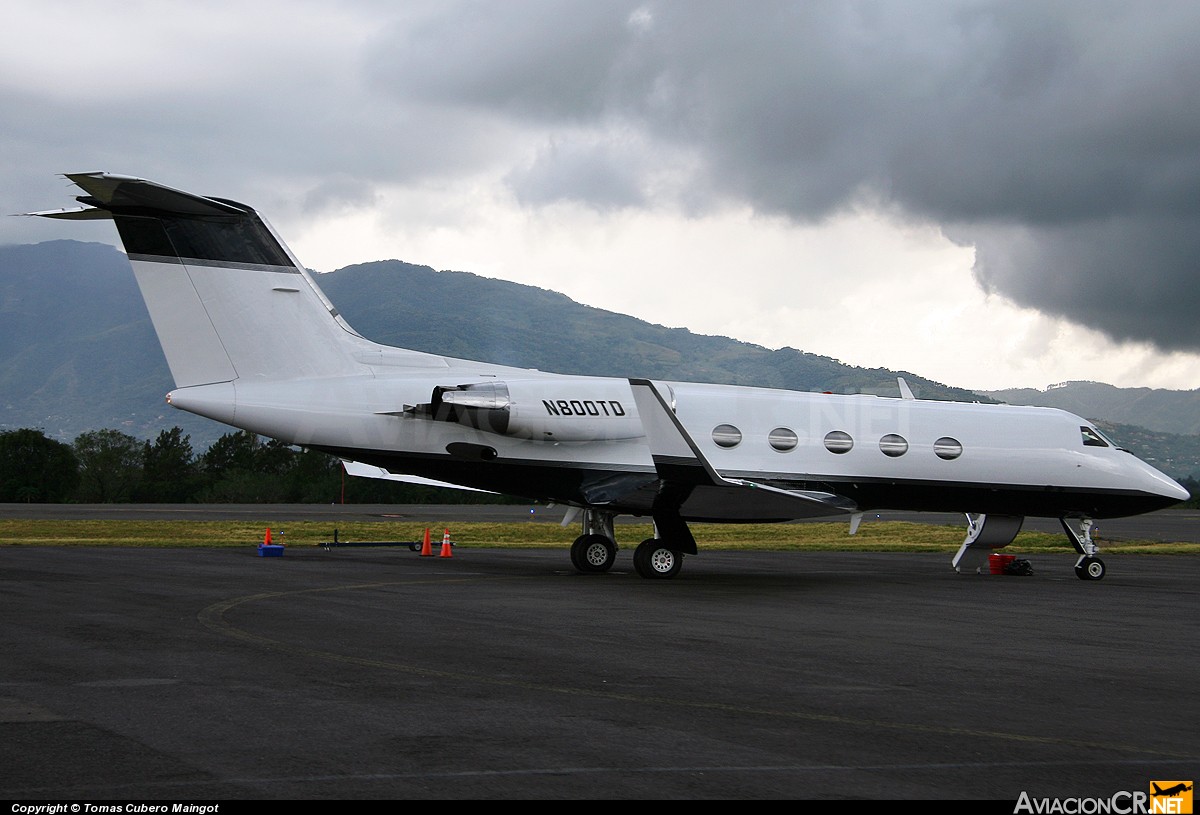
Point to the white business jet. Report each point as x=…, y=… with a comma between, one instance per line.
x=252, y=342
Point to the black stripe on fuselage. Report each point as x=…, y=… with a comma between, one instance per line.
x=1044, y=501
x=570, y=482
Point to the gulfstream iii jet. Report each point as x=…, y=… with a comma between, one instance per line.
x=252, y=342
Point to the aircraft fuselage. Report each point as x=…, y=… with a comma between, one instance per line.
x=881, y=452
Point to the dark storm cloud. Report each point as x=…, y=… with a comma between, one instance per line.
x=1062, y=139
x=600, y=174
x=1132, y=278
x=543, y=60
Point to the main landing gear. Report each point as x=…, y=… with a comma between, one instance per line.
x=657, y=558
x=653, y=558
x=596, y=549
x=1088, y=567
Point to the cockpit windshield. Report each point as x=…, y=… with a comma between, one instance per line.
x=1094, y=438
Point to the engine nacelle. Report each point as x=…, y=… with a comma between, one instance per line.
x=544, y=410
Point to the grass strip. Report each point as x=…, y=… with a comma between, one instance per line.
x=883, y=536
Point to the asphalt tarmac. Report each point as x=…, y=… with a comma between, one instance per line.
x=194, y=675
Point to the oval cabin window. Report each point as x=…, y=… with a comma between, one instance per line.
x=782, y=439
x=726, y=435
x=893, y=445
x=947, y=448
x=838, y=441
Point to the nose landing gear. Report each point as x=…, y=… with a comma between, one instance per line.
x=1088, y=567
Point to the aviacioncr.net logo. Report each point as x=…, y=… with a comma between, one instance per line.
x=1163, y=798
x=1171, y=797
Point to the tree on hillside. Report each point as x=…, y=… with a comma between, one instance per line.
x=110, y=465
x=243, y=468
x=275, y=457
x=168, y=468
x=35, y=468
x=315, y=478
x=233, y=451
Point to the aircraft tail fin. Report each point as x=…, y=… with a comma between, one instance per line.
x=227, y=298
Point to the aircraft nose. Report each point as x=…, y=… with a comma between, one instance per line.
x=1162, y=484
x=1178, y=492
x=1150, y=481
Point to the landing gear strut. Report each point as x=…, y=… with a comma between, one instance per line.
x=657, y=558
x=1088, y=567
x=596, y=549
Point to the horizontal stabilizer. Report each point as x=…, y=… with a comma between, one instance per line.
x=125, y=192
x=76, y=214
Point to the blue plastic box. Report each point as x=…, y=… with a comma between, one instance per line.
x=270, y=550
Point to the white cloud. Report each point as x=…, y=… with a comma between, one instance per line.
x=84, y=51
x=625, y=154
x=859, y=288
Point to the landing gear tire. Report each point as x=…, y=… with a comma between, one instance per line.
x=592, y=554
x=653, y=559
x=1090, y=568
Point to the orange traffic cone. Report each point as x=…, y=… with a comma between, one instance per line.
x=267, y=537
x=426, y=550
x=446, y=545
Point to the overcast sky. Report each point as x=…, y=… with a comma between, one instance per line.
x=987, y=194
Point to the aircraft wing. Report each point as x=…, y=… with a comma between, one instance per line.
x=360, y=470
x=703, y=494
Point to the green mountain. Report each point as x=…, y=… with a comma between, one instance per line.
x=1175, y=454
x=463, y=315
x=78, y=353
x=1162, y=410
